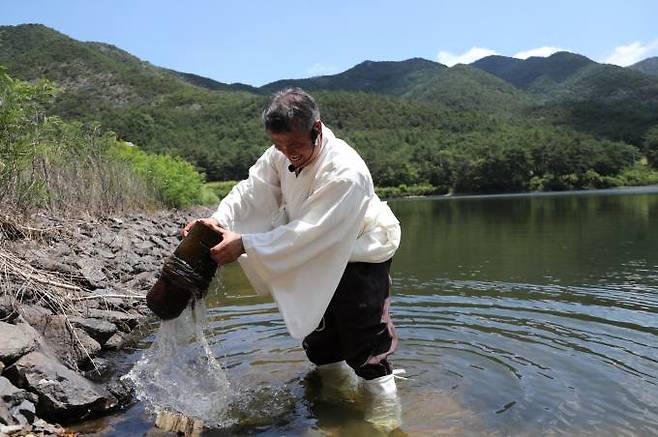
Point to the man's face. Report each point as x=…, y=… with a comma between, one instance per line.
x=295, y=145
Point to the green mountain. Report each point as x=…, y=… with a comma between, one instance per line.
x=414, y=121
x=94, y=75
x=648, y=66
x=535, y=74
x=608, y=101
x=211, y=84
x=388, y=77
x=600, y=99
x=464, y=88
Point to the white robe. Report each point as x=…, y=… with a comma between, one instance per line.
x=300, y=231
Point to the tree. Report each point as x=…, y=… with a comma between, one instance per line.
x=651, y=146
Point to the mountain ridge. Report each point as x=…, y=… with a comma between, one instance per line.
x=400, y=115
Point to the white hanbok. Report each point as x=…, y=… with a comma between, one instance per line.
x=299, y=231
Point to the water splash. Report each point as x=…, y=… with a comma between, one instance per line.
x=179, y=372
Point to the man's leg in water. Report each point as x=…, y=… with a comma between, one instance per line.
x=356, y=326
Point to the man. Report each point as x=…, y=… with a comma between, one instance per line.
x=307, y=227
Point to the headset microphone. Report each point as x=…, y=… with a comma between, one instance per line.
x=291, y=168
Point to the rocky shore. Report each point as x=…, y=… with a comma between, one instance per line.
x=70, y=291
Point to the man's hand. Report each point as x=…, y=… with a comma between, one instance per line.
x=229, y=249
x=209, y=221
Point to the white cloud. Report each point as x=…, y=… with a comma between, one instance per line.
x=539, y=51
x=472, y=55
x=631, y=53
x=318, y=69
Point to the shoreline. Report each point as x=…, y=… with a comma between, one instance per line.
x=648, y=189
x=72, y=291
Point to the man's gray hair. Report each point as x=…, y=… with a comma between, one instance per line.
x=291, y=109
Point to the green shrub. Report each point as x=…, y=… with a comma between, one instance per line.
x=176, y=181
x=221, y=188
x=407, y=190
x=638, y=175
x=46, y=163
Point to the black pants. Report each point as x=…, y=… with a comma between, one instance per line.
x=356, y=326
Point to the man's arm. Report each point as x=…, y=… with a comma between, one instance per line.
x=251, y=203
x=329, y=222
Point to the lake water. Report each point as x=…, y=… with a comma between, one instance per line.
x=517, y=315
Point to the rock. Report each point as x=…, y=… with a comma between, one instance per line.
x=35, y=315
x=5, y=416
x=7, y=308
x=121, y=390
x=13, y=395
x=17, y=340
x=121, y=241
x=125, y=261
x=16, y=405
x=117, y=341
x=63, y=394
x=173, y=232
x=24, y=413
x=142, y=281
x=43, y=427
x=176, y=422
x=17, y=430
x=72, y=345
x=106, y=254
x=173, y=240
x=100, y=330
x=157, y=432
x=124, y=321
x=144, y=247
x=97, y=369
x=49, y=262
x=147, y=263
x=104, y=301
x=161, y=243
x=92, y=271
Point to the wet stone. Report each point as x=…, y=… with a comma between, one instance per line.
x=97, y=369
x=63, y=394
x=121, y=390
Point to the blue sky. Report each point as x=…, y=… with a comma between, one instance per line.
x=256, y=42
